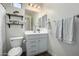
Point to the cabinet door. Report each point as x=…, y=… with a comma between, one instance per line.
x=32, y=46
x=42, y=44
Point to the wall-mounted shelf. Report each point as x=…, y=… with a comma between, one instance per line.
x=14, y=15
x=14, y=24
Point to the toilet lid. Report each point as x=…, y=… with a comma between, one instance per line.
x=15, y=51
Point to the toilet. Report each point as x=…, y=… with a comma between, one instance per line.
x=16, y=43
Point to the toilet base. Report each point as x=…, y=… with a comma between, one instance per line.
x=15, y=51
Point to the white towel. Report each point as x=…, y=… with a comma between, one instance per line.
x=59, y=30
x=68, y=30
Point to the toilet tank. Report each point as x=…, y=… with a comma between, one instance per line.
x=16, y=41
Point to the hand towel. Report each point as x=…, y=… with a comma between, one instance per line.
x=59, y=30
x=68, y=30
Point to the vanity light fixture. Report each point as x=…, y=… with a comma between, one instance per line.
x=34, y=5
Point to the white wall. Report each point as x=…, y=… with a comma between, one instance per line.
x=59, y=11
x=2, y=29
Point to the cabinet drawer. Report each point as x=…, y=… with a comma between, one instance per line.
x=33, y=36
x=31, y=42
x=33, y=46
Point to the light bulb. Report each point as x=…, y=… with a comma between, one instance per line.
x=35, y=5
x=31, y=4
x=38, y=7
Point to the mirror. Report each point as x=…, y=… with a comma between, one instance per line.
x=28, y=23
x=34, y=20
x=29, y=20
x=42, y=21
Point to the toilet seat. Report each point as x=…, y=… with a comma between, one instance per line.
x=17, y=51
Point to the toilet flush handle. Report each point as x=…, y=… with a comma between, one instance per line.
x=24, y=41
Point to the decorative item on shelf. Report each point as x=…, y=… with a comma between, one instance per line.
x=12, y=22
x=15, y=22
x=16, y=12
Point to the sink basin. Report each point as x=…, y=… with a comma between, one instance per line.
x=32, y=32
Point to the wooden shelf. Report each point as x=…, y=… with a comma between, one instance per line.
x=14, y=24
x=14, y=15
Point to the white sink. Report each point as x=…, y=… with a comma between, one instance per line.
x=32, y=32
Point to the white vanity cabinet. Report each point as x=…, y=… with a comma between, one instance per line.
x=36, y=43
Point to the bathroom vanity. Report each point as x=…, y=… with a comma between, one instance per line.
x=36, y=43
